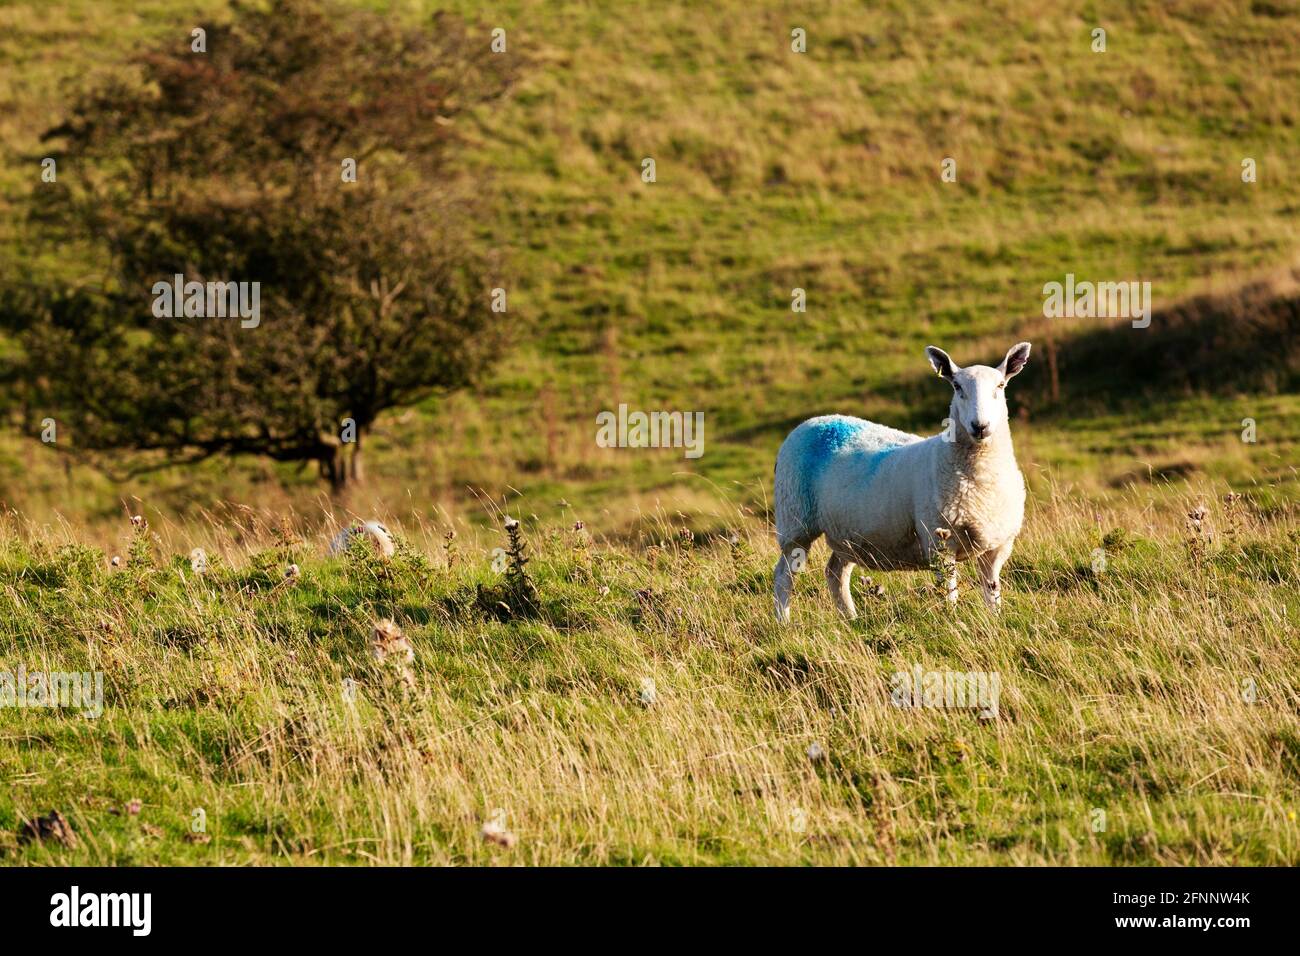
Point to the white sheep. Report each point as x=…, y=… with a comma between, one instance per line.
x=882, y=496
x=374, y=533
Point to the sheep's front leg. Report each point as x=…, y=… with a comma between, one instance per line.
x=944, y=564
x=838, y=572
x=946, y=578
x=990, y=567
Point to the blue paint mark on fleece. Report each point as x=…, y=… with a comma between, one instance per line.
x=826, y=437
x=826, y=440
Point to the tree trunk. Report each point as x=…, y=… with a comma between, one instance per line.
x=355, y=470
x=1052, y=369
x=334, y=468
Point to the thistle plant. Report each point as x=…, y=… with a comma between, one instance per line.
x=1199, y=533
x=517, y=596
x=518, y=584
x=1233, y=516
x=140, y=552
x=943, y=562
x=582, y=555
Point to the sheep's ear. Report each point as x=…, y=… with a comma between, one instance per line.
x=941, y=363
x=1015, y=360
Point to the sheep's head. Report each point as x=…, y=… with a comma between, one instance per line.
x=979, y=403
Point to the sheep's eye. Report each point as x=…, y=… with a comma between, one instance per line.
x=956, y=388
x=1002, y=384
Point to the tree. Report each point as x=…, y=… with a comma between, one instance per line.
x=308, y=153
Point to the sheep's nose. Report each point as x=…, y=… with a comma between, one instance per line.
x=979, y=429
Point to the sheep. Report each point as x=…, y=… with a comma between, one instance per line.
x=375, y=534
x=890, y=500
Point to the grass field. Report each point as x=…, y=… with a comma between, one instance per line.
x=1159, y=690
x=1154, y=685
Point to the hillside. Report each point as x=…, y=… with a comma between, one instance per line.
x=778, y=170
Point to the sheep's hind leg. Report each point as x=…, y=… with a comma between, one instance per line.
x=784, y=582
x=838, y=572
x=794, y=558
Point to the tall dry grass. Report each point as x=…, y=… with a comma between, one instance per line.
x=1155, y=684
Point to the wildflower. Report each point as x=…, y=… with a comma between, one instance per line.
x=511, y=524
x=578, y=526
x=873, y=589
x=943, y=534
x=117, y=561
x=1201, y=537
x=292, y=573
x=133, y=807
x=816, y=753
x=198, y=561
x=137, y=521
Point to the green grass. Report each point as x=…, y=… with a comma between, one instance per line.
x=1122, y=690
